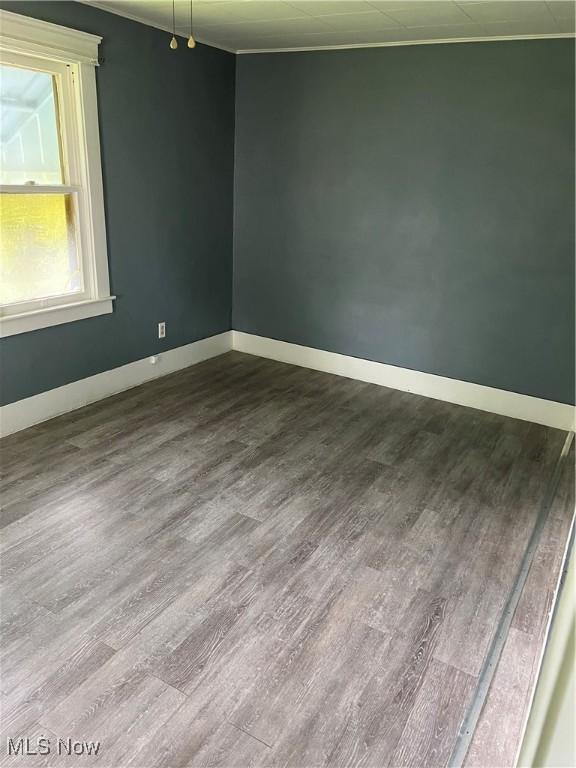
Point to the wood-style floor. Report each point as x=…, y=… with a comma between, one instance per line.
x=253, y=564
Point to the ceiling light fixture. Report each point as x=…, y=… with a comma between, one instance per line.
x=173, y=42
x=191, y=41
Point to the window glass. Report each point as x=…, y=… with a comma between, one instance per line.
x=29, y=136
x=38, y=254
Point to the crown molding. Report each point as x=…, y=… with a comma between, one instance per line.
x=397, y=43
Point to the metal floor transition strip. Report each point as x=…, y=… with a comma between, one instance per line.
x=488, y=670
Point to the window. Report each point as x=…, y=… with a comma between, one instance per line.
x=53, y=260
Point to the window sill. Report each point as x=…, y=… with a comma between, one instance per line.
x=48, y=316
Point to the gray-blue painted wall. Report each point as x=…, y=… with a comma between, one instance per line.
x=167, y=136
x=413, y=206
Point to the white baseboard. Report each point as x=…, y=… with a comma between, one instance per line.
x=33, y=410
x=534, y=409
x=47, y=405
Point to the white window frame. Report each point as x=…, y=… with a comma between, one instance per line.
x=71, y=56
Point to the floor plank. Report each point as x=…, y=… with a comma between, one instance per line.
x=249, y=563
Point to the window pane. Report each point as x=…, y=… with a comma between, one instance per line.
x=38, y=255
x=29, y=135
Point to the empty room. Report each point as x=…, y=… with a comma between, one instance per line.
x=287, y=314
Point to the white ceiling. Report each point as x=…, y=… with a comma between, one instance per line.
x=258, y=25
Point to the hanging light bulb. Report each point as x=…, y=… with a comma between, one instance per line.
x=173, y=42
x=191, y=41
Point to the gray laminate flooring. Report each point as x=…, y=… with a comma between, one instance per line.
x=252, y=564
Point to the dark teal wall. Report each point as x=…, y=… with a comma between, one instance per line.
x=167, y=135
x=414, y=206
x=409, y=205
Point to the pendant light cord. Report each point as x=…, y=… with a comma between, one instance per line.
x=173, y=42
x=191, y=41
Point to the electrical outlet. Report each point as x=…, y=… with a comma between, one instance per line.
x=161, y=330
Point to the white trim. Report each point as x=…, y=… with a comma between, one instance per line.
x=534, y=409
x=47, y=405
x=91, y=201
x=38, y=189
x=33, y=410
x=32, y=37
x=58, y=314
x=396, y=43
